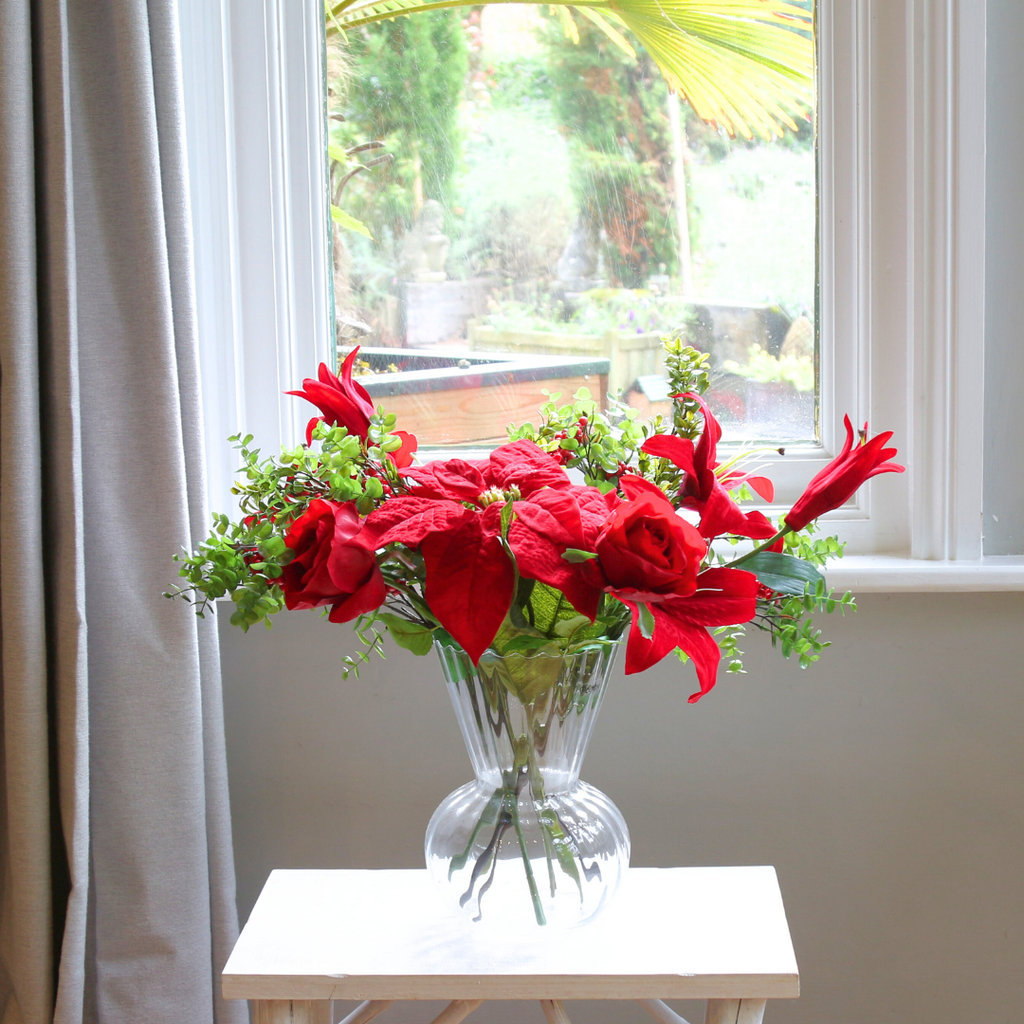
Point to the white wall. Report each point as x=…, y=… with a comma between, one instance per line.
x=886, y=784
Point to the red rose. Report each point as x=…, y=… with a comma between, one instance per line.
x=330, y=566
x=645, y=550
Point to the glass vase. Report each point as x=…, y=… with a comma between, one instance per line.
x=526, y=844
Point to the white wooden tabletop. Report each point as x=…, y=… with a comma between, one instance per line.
x=670, y=933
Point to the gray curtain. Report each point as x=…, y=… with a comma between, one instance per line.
x=117, y=900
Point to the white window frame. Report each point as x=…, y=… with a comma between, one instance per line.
x=253, y=78
x=902, y=255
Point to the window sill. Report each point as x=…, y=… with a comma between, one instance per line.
x=881, y=574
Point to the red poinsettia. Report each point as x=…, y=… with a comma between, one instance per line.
x=453, y=515
x=344, y=402
x=553, y=522
x=330, y=566
x=702, y=489
x=838, y=481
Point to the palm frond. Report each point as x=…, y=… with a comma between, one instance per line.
x=746, y=65
x=608, y=29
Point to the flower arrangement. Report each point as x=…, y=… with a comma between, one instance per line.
x=513, y=554
x=527, y=581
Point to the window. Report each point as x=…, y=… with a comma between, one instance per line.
x=901, y=308
x=543, y=212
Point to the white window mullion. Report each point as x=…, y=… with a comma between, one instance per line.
x=947, y=218
x=209, y=118
x=254, y=110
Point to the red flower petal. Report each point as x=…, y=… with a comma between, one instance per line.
x=367, y=598
x=761, y=485
x=702, y=491
x=343, y=402
x=403, y=457
x=724, y=597
x=721, y=515
x=554, y=514
x=678, y=450
x=469, y=582
x=407, y=520
x=455, y=479
x=525, y=465
x=540, y=558
x=635, y=487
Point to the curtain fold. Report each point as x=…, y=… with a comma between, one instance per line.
x=117, y=899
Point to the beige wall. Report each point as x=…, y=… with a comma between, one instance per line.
x=886, y=785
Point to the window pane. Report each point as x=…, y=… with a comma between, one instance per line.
x=515, y=230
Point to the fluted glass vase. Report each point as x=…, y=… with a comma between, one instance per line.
x=526, y=844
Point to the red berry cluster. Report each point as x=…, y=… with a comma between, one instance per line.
x=565, y=455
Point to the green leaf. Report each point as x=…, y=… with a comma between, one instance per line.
x=784, y=573
x=411, y=635
x=526, y=643
x=574, y=555
x=645, y=621
x=507, y=515
x=562, y=844
x=346, y=220
x=273, y=547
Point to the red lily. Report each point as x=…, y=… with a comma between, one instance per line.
x=453, y=515
x=702, y=490
x=838, y=481
x=761, y=485
x=344, y=402
x=723, y=598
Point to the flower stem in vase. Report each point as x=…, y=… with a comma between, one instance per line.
x=526, y=720
x=538, y=910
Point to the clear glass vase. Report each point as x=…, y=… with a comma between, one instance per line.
x=526, y=844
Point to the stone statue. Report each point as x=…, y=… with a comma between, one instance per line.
x=578, y=266
x=426, y=246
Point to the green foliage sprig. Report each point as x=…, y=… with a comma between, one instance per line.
x=244, y=559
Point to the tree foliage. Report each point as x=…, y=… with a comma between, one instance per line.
x=612, y=106
x=746, y=65
x=406, y=80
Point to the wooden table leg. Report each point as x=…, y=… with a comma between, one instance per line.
x=292, y=1011
x=734, y=1011
x=554, y=1011
x=365, y=1012
x=662, y=1012
x=457, y=1010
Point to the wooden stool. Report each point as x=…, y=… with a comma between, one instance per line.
x=718, y=934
